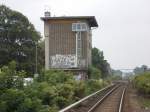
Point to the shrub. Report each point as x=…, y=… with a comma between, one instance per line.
x=94, y=73
x=51, y=91
x=142, y=82
x=93, y=85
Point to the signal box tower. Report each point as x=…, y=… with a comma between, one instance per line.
x=68, y=43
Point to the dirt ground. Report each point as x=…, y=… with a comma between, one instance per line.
x=132, y=103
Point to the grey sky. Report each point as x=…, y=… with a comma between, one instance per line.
x=124, y=25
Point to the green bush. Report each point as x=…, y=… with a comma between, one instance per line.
x=13, y=100
x=14, y=96
x=10, y=78
x=80, y=90
x=93, y=85
x=50, y=92
x=142, y=83
x=94, y=73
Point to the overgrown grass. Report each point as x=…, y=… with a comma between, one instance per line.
x=145, y=102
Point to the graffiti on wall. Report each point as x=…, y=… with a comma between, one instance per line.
x=63, y=61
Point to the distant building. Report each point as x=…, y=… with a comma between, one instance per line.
x=68, y=43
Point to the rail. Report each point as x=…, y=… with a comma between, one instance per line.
x=84, y=99
x=121, y=101
x=120, y=106
x=103, y=98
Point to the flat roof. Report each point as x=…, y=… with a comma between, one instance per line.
x=91, y=19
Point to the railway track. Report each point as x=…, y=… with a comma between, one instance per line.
x=112, y=103
x=109, y=99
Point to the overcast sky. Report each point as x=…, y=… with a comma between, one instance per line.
x=124, y=25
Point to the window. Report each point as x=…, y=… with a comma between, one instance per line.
x=73, y=26
x=83, y=27
x=79, y=27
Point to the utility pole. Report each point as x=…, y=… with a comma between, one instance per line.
x=36, y=73
x=36, y=57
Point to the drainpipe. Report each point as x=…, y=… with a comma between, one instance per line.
x=77, y=49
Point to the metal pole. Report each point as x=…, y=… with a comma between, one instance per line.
x=76, y=49
x=36, y=72
x=36, y=58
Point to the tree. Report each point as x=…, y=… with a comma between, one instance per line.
x=94, y=73
x=17, y=39
x=97, y=57
x=99, y=62
x=140, y=70
x=116, y=75
x=142, y=82
x=41, y=55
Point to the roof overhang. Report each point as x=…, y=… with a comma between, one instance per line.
x=91, y=19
